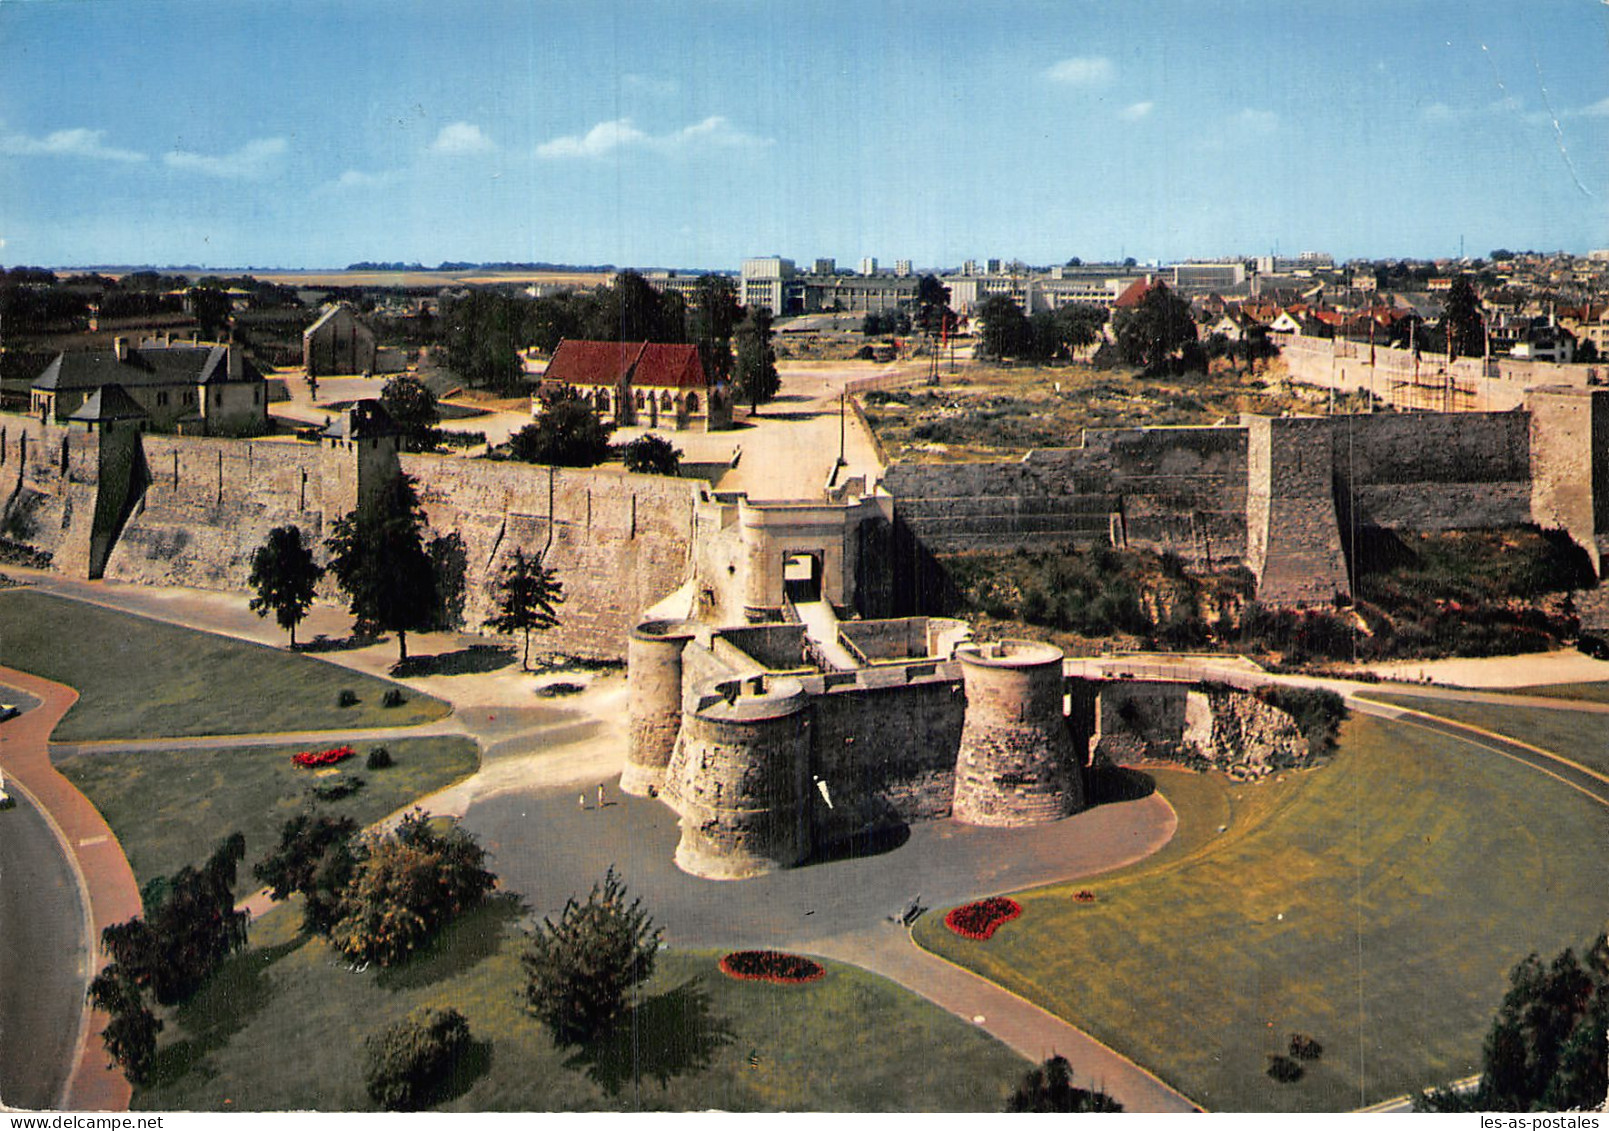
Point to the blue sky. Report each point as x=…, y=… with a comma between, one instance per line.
x=290, y=134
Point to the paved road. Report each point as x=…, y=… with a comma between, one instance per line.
x=106, y=882
x=43, y=960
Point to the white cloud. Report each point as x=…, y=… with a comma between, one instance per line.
x=358, y=179
x=714, y=132
x=1087, y=70
x=460, y=138
x=67, y=143
x=249, y=162
x=1135, y=111
x=1438, y=112
x=1599, y=109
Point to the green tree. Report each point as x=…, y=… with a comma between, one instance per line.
x=284, y=575
x=406, y=886
x=756, y=380
x=932, y=305
x=1545, y=1050
x=414, y=409
x=378, y=556
x=185, y=933
x=1005, y=329
x=1462, y=319
x=409, y=1064
x=711, y=321
x=567, y=433
x=1049, y=1088
x=315, y=860
x=211, y=308
x=579, y=969
x=526, y=592
x=649, y=454
x=1152, y=332
x=482, y=331
x=131, y=1028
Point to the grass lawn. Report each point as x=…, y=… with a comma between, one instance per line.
x=1375, y=905
x=1576, y=735
x=1587, y=692
x=139, y=678
x=282, y=1026
x=171, y=808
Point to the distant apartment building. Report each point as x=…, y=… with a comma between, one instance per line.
x=991, y=267
x=1037, y=292
x=1204, y=278
x=868, y=265
x=826, y=267
x=902, y=268
x=969, y=268
x=676, y=282
x=766, y=282
x=856, y=292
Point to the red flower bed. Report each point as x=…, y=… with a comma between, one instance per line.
x=313, y=759
x=1084, y=896
x=979, y=920
x=770, y=966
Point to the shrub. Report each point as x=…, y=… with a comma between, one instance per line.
x=1049, y=1088
x=379, y=759
x=578, y=970
x=981, y=919
x=1284, y=1069
x=1317, y=712
x=411, y=1062
x=315, y=859
x=336, y=789
x=393, y=697
x=770, y=966
x=346, y=698
x=130, y=1033
x=406, y=885
x=1304, y=1047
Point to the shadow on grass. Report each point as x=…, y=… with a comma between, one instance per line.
x=1108, y=784
x=477, y=659
x=473, y=1063
x=470, y=939
x=323, y=643
x=669, y=1035
x=236, y=993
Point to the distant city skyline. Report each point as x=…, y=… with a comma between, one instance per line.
x=694, y=134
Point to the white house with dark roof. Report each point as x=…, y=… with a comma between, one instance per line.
x=181, y=387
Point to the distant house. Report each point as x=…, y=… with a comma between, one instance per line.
x=180, y=387
x=641, y=383
x=338, y=343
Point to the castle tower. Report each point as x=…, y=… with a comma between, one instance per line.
x=740, y=779
x=1570, y=465
x=360, y=457
x=654, y=682
x=1017, y=764
x=1293, y=538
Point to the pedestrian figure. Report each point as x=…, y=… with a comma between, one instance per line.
x=600, y=797
x=583, y=800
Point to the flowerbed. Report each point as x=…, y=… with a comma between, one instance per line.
x=979, y=920
x=1084, y=896
x=313, y=759
x=770, y=966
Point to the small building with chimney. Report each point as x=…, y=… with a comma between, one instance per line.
x=184, y=387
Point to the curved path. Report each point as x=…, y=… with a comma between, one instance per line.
x=103, y=873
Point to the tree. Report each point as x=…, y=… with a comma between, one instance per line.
x=415, y=411
x=1462, y=319
x=314, y=859
x=284, y=575
x=131, y=1028
x=567, y=433
x=1049, y=1088
x=1151, y=332
x=1545, y=1050
x=410, y=1063
x=652, y=455
x=482, y=331
x=211, y=308
x=711, y=321
x=932, y=305
x=1005, y=332
x=756, y=378
x=578, y=970
x=378, y=556
x=406, y=886
x=631, y=310
x=526, y=593
x=185, y=933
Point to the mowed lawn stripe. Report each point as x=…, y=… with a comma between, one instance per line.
x=1579, y=736
x=171, y=808
x=1378, y=910
x=139, y=678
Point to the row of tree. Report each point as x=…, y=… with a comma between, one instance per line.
x=1047, y=335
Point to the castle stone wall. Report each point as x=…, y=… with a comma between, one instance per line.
x=1293, y=541
x=654, y=682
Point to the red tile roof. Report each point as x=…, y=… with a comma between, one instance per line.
x=647, y=364
x=1136, y=291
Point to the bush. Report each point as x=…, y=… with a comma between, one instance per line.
x=410, y=1063
x=336, y=789
x=578, y=970
x=407, y=884
x=393, y=697
x=346, y=698
x=1049, y=1088
x=1284, y=1069
x=1304, y=1047
x=1317, y=712
x=379, y=759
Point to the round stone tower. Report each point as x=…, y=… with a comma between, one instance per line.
x=740, y=779
x=1016, y=765
x=654, y=690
